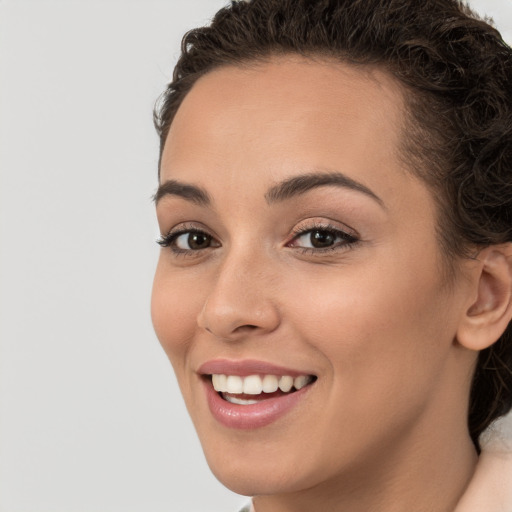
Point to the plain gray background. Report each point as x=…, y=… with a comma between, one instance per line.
x=90, y=415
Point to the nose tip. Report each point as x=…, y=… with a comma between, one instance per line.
x=230, y=315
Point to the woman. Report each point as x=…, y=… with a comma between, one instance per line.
x=334, y=287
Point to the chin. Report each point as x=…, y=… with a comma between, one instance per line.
x=251, y=466
x=248, y=479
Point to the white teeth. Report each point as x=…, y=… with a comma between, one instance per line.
x=300, y=382
x=256, y=384
x=240, y=401
x=234, y=384
x=285, y=383
x=270, y=383
x=253, y=385
x=220, y=382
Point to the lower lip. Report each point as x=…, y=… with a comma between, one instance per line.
x=254, y=415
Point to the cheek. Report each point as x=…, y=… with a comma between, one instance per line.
x=363, y=303
x=384, y=333
x=174, y=309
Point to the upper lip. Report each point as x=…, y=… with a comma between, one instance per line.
x=245, y=367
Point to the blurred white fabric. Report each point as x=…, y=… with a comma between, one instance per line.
x=498, y=437
x=490, y=490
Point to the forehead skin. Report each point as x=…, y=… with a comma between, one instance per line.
x=279, y=105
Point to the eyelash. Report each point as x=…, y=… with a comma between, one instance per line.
x=349, y=240
x=168, y=240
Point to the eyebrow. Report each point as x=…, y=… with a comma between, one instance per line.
x=298, y=185
x=284, y=190
x=189, y=192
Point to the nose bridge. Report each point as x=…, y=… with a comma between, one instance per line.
x=241, y=296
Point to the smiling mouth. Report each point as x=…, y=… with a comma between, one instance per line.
x=254, y=389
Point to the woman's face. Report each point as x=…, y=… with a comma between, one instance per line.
x=300, y=251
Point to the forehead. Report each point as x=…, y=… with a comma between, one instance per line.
x=286, y=115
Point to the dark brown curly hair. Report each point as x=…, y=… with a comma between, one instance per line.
x=456, y=71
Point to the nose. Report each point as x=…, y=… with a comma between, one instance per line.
x=240, y=302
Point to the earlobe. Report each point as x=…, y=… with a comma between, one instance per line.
x=490, y=310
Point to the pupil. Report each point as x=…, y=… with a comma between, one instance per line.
x=321, y=239
x=198, y=241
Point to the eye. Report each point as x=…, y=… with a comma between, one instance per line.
x=187, y=240
x=318, y=239
x=322, y=238
x=193, y=241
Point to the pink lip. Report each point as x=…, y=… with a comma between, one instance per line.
x=246, y=367
x=251, y=416
x=255, y=415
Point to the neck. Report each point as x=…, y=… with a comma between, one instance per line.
x=425, y=473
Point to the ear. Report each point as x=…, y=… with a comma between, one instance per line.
x=490, y=307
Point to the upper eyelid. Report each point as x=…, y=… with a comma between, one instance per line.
x=348, y=237
x=329, y=229
x=324, y=225
x=185, y=227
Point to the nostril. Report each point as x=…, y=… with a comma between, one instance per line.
x=246, y=327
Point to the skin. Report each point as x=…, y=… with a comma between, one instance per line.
x=384, y=426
